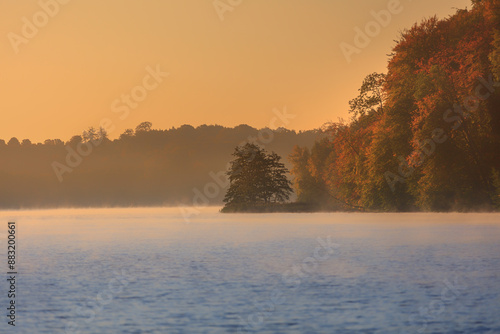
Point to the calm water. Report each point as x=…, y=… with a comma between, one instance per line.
x=150, y=271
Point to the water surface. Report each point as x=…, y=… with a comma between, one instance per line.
x=151, y=271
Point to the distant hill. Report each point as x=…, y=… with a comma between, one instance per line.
x=179, y=166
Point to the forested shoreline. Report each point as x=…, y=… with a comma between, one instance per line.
x=425, y=136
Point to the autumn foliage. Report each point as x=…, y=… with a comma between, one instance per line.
x=425, y=136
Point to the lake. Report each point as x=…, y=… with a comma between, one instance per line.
x=151, y=270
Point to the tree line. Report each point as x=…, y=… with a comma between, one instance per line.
x=143, y=167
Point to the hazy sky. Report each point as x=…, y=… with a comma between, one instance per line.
x=64, y=72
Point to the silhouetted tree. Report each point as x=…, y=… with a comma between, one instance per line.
x=128, y=133
x=144, y=127
x=90, y=135
x=279, y=188
x=14, y=142
x=75, y=140
x=96, y=136
x=370, y=98
x=256, y=178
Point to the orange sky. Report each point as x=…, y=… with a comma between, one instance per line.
x=79, y=65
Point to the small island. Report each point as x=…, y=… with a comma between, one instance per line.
x=258, y=182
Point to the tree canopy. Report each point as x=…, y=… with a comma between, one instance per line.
x=256, y=178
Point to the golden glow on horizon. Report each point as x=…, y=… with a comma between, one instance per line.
x=263, y=55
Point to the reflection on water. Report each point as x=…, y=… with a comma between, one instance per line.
x=148, y=271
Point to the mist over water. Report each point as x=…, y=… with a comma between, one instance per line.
x=147, y=270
